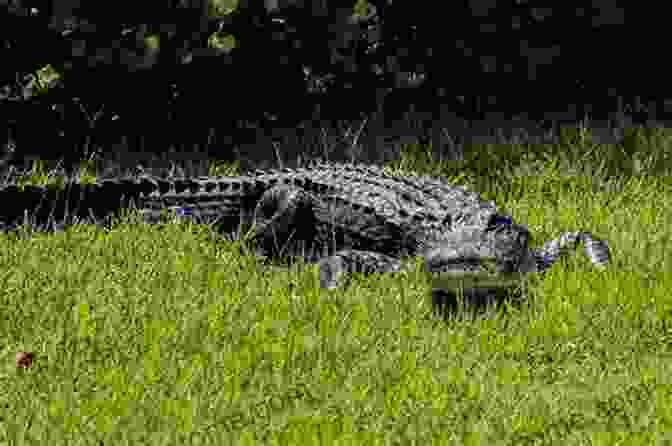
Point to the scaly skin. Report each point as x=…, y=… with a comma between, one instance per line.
x=47, y=205
x=349, y=218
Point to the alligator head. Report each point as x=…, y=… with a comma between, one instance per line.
x=482, y=263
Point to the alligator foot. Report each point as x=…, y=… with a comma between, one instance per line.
x=595, y=249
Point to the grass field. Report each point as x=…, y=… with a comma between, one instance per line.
x=160, y=335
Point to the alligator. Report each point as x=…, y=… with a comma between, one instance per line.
x=345, y=217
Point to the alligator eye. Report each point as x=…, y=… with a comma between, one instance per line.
x=499, y=220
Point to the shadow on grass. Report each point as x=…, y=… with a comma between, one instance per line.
x=449, y=304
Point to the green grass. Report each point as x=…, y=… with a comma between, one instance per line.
x=159, y=335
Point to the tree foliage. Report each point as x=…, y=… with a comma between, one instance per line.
x=142, y=67
x=167, y=72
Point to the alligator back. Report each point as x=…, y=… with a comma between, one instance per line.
x=427, y=207
x=414, y=198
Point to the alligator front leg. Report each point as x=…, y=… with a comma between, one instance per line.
x=334, y=270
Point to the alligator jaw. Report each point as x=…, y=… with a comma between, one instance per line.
x=452, y=272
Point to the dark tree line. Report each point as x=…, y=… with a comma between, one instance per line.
x=150, y=70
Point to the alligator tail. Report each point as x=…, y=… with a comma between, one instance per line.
x=51, y=206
